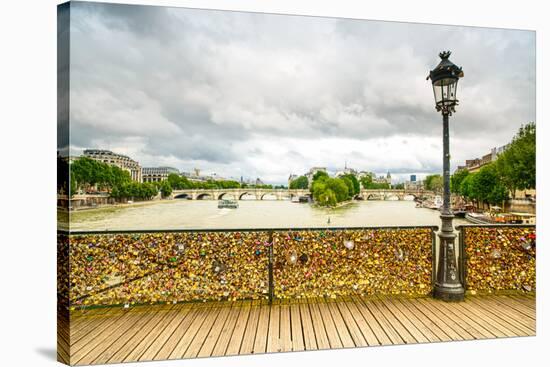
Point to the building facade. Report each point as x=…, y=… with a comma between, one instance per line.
x=413, y=185
x=382, y=179
x=157, y=174
x=474, y=165
x=119, y=160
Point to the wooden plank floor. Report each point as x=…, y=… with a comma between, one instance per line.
x=144, y=333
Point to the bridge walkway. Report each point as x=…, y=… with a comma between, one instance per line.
x=142, y=333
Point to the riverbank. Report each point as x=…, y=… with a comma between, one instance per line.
x=118, y=205
x=338, y=205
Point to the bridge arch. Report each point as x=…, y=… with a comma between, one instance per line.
x=374, y=197
x=243, y=194
x=182, y=196
x=271, y=196
x=226, y=195
x=205, y=196
x=410, y=197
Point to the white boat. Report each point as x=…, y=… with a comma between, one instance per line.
x=526, y=218
x=477, y=218
x=228, y=204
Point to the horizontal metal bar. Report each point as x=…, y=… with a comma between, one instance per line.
x=496, y=225
x=203, y=230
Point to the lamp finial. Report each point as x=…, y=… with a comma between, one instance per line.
x=445, y=55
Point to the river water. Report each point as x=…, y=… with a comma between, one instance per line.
x=204, y=214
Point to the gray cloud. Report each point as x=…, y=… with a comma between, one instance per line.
x=266, y=95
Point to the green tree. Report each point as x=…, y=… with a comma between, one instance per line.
x=318, y=175
x=329, y=191
x=356, y=189
x=366, y=181
x=165, y=188
x=90, y=173
x=339, y=187
x=487, y=187
x=229, y=184
x=433, y=183
x=73, y=186
x=516, y=166
x=456, y=180
x=349, y=185
x=299, y=183
x=466, y=186
x=327, y=198
x=399, y=186
x=178, y=182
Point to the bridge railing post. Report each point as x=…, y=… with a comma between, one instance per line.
x=434, y=254
x=462, y=256
x=270, y=268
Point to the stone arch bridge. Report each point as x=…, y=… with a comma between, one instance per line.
x=392, y=194
x=238, y=194
x=282, y=194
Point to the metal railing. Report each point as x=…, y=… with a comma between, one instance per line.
x=134, y=267
x=98, y=268
x=499, y=257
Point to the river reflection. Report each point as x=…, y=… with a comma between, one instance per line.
x=195, y=214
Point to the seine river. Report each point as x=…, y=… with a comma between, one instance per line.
x=195, y=214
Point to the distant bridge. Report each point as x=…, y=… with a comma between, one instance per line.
x=239, y=194
x=284, y=194
x=392, y=194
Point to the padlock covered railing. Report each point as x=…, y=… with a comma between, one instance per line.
x=366, y=261
x=152, y=267
x=142, y=267
x=498, y=258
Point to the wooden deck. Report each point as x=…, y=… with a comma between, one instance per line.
x=234, y=328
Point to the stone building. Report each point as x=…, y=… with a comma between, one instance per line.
x=157, y=174
x=413, y=185
x=119, y=160
x=474, y=165
x=382, y=179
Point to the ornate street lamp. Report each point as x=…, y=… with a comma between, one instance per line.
x=445, y=80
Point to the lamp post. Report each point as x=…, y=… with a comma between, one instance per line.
x=444, y=79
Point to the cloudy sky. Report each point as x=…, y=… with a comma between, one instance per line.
x=259, y=95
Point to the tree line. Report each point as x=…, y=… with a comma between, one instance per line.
x=88, y=174
x=496, y=182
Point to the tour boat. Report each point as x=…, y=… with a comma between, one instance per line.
x=477, y=218
x=501, y=218
x=526, y=218
x=227, y=204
